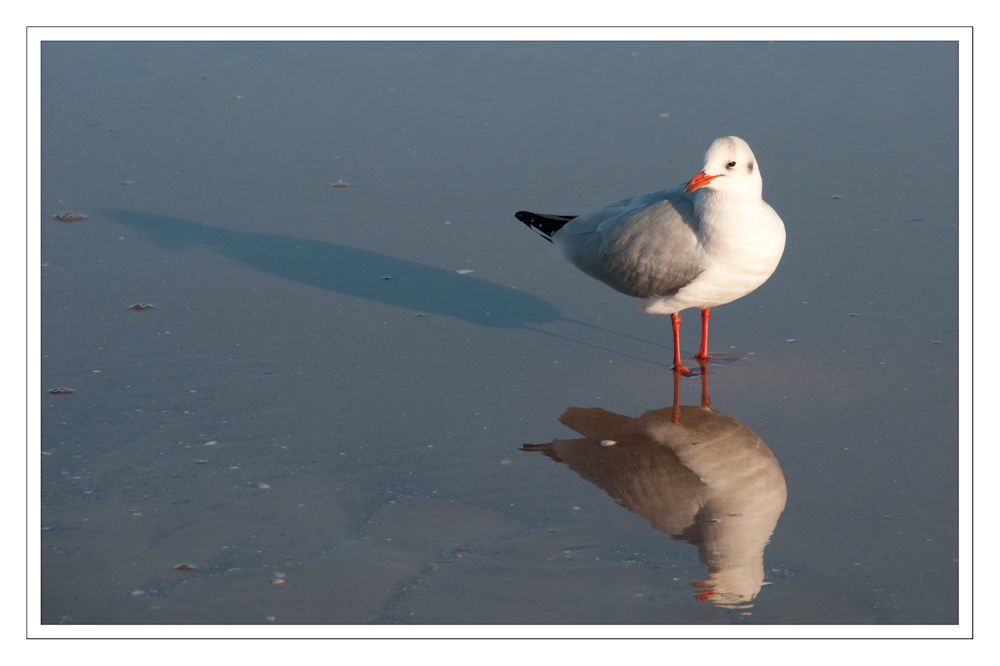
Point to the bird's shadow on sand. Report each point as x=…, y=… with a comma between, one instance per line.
x=353, y=272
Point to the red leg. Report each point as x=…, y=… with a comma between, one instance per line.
x=675, y=319
x=703, y=352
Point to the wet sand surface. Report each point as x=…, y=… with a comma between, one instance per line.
x=322, y=418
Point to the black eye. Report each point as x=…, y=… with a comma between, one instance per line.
x=731, y=165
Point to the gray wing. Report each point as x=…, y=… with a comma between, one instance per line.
x=646, y=247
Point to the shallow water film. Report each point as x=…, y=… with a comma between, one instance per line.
x=301, y=364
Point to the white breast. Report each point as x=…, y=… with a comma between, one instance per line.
x=741, y=242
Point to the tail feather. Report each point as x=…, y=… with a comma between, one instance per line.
x=545, y=225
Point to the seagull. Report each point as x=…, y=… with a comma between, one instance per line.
x=697, y=245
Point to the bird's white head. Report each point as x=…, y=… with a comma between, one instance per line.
x=730, y=168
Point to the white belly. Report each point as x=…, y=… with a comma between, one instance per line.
x=732, y=269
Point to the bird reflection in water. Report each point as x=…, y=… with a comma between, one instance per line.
x=695, y=474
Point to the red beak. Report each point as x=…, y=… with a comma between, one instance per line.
x=701, y=180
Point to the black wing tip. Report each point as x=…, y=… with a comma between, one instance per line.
x=545, y=225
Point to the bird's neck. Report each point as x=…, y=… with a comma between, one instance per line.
x=713, y=207
x=731, y=222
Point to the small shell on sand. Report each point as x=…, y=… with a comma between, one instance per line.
x=69, y=216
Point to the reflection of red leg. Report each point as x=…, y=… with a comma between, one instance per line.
x=706, y=400
x=678, y=366
x=676, y=416
x=703, y=352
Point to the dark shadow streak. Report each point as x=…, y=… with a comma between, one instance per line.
x=361, y=273
x=624, y=335
x=353, y=272
x=593, y=346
